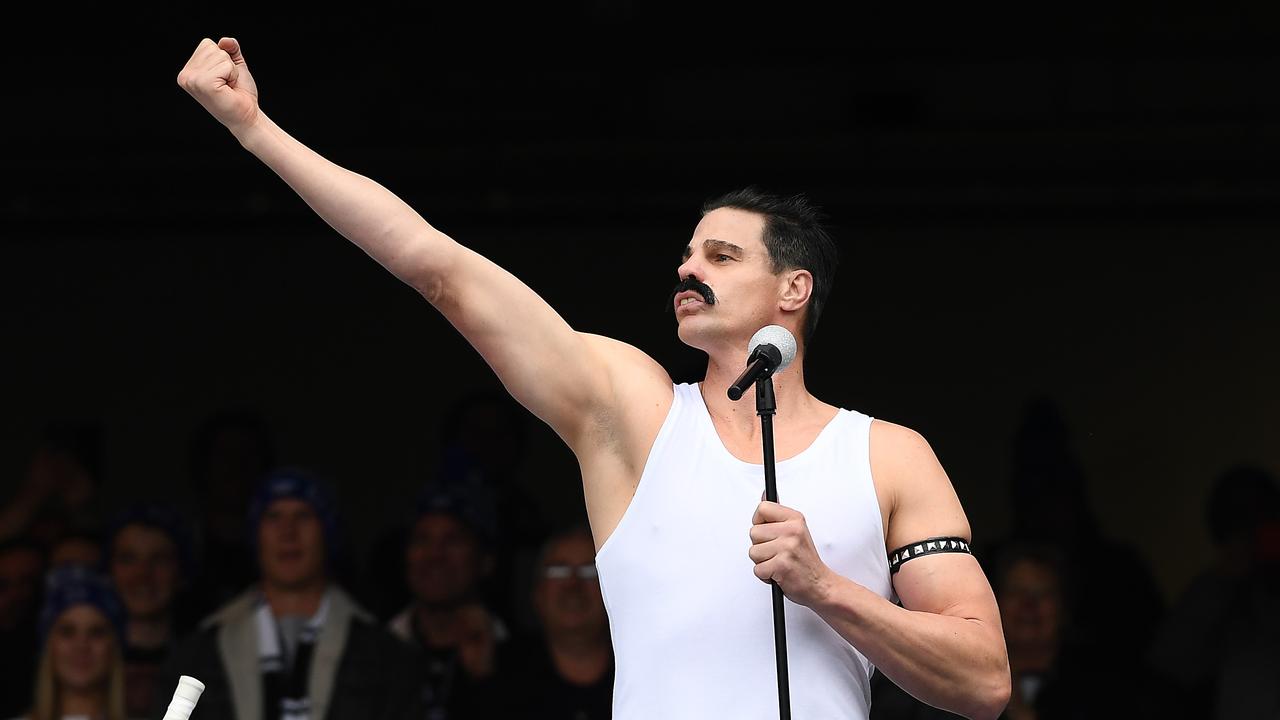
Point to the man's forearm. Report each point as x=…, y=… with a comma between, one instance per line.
x=953, y=663
x=360, y=209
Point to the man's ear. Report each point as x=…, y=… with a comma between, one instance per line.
x=797, y=287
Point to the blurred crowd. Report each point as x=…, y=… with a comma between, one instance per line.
x=477, y=608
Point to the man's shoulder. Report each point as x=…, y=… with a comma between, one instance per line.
x=628, y=364
x=894, y=445
x=238, y=607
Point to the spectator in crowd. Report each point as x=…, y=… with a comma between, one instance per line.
x=1056, y=673
x=568, y=673
x=230, y=452
x=1218, y=653
x=81, y=673
x=482, y=441
x=483, y=438
x=22, y=568
x=460, y=641
x=59, y=495
x=294, y=646
x=149, y=555
x=1051, y=506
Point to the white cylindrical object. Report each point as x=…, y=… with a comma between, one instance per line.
x=184, y=699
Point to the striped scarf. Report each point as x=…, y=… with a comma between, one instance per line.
x=285, y=647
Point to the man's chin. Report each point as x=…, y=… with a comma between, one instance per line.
x=689, y=332
x=699, y=334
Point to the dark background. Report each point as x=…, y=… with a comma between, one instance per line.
x=1080, y=205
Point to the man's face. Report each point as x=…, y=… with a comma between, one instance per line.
x=1030, y=605
x=727, y=254
x=82, y=645
x=20, y=572
x=567, y=595
x=443, y=562
x=144, y=567
x=291, y=544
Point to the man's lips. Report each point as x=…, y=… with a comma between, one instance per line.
x=696, y=301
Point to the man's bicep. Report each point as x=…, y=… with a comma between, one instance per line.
x=922, y=502
x=947, y=584
x=925, y=506
x=553, y=371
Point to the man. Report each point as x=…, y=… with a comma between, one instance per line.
x=148, y=555
x=665, y=468
x=447, y=560
x=295, y=647
x=569, y=673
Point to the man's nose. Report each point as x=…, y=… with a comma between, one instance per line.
x=690, y=268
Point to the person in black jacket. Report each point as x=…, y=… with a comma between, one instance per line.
x=567, y=674
x=295, y=646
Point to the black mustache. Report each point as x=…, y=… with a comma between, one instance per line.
x=691, y=283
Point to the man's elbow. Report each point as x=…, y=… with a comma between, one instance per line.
x=994, y=696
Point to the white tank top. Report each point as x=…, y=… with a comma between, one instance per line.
x=692, y=626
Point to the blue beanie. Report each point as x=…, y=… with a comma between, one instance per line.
x=71, y=585
x=297, y=484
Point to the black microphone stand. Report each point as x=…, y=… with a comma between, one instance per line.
x=766, y=406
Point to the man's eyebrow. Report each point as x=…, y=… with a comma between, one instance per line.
x=715, y=246
x=723, y=246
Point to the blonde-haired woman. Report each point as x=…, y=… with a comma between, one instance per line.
x=81, y=671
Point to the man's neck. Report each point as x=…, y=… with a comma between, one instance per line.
x=739, y=417
x=149, y=633
x=301, y=600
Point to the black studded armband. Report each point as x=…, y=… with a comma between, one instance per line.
x=932, y=546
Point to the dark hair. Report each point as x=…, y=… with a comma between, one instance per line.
x=576, y=528
x=795, y=238
x=160, y=517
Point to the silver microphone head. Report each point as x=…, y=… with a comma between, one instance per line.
x=779, y=337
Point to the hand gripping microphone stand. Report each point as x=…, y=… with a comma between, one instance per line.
x=772, y=349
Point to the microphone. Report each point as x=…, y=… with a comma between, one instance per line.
x=184, y=698
x=772, y=349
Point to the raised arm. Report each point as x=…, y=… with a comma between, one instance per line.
x=564, y=377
